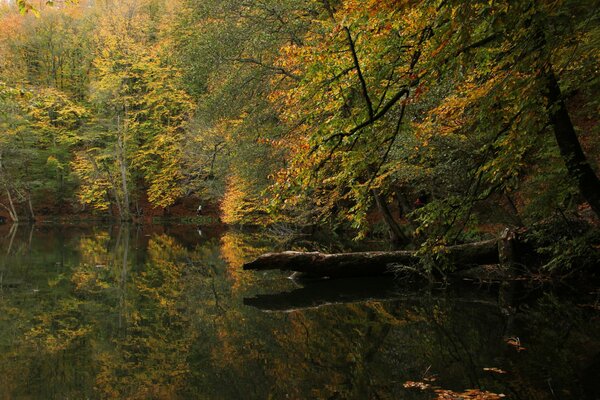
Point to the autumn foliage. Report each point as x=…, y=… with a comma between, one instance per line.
x=436, y=122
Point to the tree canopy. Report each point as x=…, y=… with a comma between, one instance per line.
x=435, y=121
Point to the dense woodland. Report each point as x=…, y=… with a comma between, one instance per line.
x=435, y=122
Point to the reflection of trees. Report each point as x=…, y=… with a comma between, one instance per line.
x=368, y=350
x=147, y=358
x=40, y=323
x=317, y=353
x=131, y=316
x=238, y=248
x=124, y=320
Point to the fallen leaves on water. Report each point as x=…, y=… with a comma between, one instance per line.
x=515, y=342
x=470, y=394
x=443, y=394
x=495, y=370
x=417, y=385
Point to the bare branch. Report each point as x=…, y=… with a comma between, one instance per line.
x=402, y=92
x=361, y=78
x=277, y=69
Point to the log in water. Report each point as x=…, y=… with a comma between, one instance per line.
x=371, y=263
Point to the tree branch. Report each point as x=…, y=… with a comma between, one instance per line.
x=361, y=78
x=402, y=92
x=279, y=70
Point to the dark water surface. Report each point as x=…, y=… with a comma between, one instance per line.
x=167, y=313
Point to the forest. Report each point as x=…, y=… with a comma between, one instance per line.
x=300, y=199
x=427, y=123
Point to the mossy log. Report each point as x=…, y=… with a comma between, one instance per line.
x=372, y=263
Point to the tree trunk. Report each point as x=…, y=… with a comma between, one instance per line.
x=12, y=211
x=397, y=237
x=369, y=263
x=575, y=160
x=30, y=205
x=403, y=204
x=113, y=184
x=507, y=252
x=126, y=212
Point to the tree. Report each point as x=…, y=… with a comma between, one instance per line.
x=47, y=63
x=361, y=66
x=505, y=95
x=436, y=102
x=14, y=149
x=228, y=50
x=138, y=101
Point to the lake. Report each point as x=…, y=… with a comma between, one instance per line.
x=166, y=312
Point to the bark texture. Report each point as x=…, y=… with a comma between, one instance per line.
x=369, y=263
x=575, y=160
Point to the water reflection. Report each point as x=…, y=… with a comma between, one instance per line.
x=318, y=293
x=126, y=312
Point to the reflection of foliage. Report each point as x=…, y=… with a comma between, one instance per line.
x=86, y=281
x=129, y=316
x=56, y=330
x=94, y=249
x=150, y=358
x=238, y=248
x=161, y=282
x=130, y=320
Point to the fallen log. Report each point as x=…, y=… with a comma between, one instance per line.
x=372, y=263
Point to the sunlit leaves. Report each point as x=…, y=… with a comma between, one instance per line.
x=335, y=148
x=56, y=117
x=141, y=97
x=96, y=179
x=26, y=6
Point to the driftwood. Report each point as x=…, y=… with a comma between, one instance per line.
x=371, y=263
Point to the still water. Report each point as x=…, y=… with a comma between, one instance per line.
x=167, y=313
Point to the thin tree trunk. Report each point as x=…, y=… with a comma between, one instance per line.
x=123, y=281
x=31, y=229
x=404, y=206
x=113, y=187
x=12, y=233
x=32, y=214
x=13, y=212
x=514, y=209
x=575, y=160
x=10, y=213
x=126, y=213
